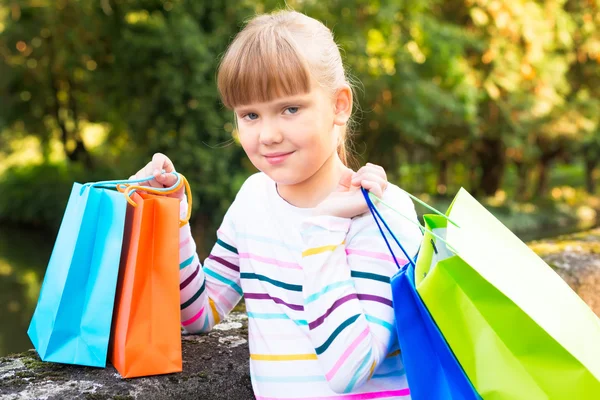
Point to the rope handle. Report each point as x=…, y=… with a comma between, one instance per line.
x=417, y=223
x=113, y=184
x=369, y=196
x=377, y=217
x=421, y=202
x=128, y=190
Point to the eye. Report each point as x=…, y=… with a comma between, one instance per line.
x=251, y=116
x=292, y=110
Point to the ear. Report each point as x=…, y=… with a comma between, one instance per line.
x=342, y=103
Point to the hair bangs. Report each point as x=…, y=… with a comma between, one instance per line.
x=262, y=66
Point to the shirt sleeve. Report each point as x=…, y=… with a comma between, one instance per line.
x=347, y=291
x=209, y=292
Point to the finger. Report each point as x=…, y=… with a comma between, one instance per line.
x=166, y=179
x=372, y=169
x=364, y=169
x=146, y=172
x=378, y=167
x=345, y=180
x=372, y=187
x=155, y=184
x=369, y=176
x=152, y=182
x=160, y=162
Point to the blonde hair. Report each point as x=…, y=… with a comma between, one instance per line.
x=275, y=55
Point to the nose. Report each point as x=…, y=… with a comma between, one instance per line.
x=270, y=133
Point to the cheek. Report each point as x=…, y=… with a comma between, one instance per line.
x=247, y=140
x=312, y=131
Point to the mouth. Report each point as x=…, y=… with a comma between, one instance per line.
x=277, y=158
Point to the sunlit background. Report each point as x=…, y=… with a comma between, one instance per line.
x=499, y=96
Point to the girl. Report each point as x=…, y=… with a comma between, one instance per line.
x=298, y=242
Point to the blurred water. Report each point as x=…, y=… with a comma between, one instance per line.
x=24, y=254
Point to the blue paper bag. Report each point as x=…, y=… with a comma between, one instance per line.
x=432, y=370
x=72, y=320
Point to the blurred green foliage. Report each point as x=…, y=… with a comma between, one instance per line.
x=486, y=94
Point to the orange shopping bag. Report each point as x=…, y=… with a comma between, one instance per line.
x=146, y=330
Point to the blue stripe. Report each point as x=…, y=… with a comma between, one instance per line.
x=326, y=289
x=289, y=379
x=288, y=286
x=224, y=280
x=381, y=322
x=322, y=348
x=186, y=262
x=205, y=326
x=358, y=372
x=299, y=322
x=227, y=246
x=369, y=275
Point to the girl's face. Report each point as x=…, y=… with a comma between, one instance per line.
x=290, y=138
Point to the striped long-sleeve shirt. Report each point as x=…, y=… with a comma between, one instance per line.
x=317, y=293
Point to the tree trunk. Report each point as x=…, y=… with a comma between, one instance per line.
x=542, y=184
x=472, y=164
x=80, y=153
x=523, y=181
x=590, y=181
x=442, y=178
x=492, y=161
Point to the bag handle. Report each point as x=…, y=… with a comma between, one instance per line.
x=113, y=184
x=377, y=216
x=367, y=195
x=421, y=202
x=128, y=190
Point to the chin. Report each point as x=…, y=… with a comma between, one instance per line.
x=284, y=177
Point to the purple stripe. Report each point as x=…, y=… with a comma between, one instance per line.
x=378, y=299
x=335, y=305
x=265, y=296
x=190, y=278
x=225, y=263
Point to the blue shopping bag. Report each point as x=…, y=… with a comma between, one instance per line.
x=72, y=320
x=432, y=370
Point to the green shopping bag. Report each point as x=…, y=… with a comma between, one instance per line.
x=515, y=326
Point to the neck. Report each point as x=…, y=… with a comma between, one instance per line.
x=311, y=192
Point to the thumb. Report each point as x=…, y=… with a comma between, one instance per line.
x=345, y=180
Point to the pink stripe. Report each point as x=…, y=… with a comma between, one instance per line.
x=194, y=318
x=223, y=236
x=347, y=353
x=357, y=396
x=257, y=336
x=185, y=242
x=282, y=264
x=217, y=298
x=372, y=254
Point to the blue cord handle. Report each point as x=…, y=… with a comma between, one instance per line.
x=154, y=189
x=115, y=183
x=377, y=216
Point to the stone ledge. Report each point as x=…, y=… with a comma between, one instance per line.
x=215, y=366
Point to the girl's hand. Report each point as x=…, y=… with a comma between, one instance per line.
x=347, y=200
x=154, y=168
